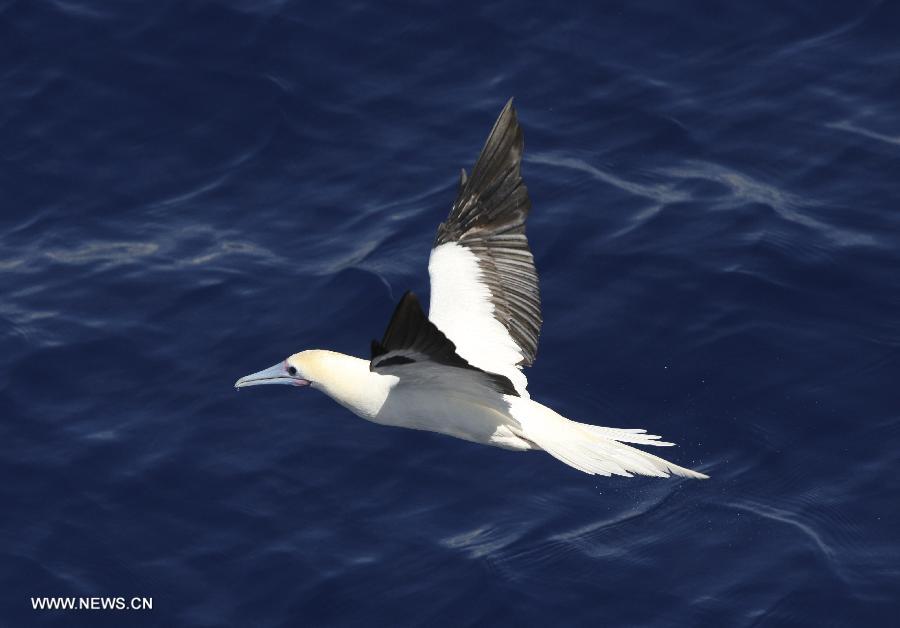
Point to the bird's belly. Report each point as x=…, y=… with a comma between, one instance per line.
x=481, y=421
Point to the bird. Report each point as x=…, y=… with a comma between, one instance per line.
x=458, y=370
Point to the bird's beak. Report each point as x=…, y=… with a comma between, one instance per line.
x=277, y=374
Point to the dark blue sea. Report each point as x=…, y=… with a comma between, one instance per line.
x=191, y=191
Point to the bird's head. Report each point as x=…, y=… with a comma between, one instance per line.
x=301, y=369
x=344, y=378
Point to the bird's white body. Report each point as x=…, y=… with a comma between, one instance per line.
x=449, y=402
x=458, y=371
x=454, y=402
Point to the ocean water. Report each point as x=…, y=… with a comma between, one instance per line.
x=191, y=191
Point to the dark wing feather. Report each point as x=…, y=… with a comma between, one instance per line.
x=411, y=337
x=488, y=218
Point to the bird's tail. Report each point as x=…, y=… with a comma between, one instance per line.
x=591, y=448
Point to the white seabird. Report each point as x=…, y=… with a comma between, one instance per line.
x=458, y=371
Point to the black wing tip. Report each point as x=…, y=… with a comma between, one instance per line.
x=501, y=155
x=409, y=302
x=509, y=110
x=492, y=195
x=508, y=122
x=505, y=143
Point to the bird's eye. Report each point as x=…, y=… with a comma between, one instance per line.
x=292, y=371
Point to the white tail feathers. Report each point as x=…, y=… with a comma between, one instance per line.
x=593, y=449
x=634, y=436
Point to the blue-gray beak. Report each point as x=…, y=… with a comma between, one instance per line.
x=278, y=374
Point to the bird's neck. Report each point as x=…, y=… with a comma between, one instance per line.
x=349, y=381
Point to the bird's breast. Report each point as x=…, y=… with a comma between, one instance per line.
x=485, y=421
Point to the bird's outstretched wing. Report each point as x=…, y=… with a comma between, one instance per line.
x=411, y=341
x=484, y=288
